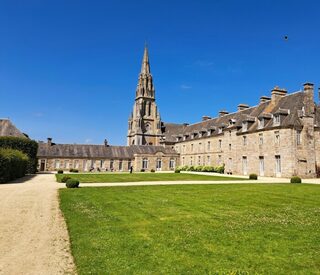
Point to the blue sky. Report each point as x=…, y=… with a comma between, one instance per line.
x=69, y=69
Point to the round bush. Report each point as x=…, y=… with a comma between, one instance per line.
x=295, y=179
x=177, y=171
x=60, y=171
x=152, y=170
x=142, y=170
x=253, y=177
x=72, y=183
x=64, y=179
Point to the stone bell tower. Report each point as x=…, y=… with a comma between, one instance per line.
x=144, y=122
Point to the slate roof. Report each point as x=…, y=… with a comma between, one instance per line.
x=170, y=130
x=7, y=129
x=288, y=106
x=98, y=151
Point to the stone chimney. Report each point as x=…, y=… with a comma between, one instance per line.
x=49, y=141
x=307, y=86
x=204, y=118
x=223, y=113
x=264, y=99
x=242, y=107
x=277, y=93
x=106, y=143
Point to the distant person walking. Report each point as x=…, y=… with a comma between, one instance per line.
x=131, y=169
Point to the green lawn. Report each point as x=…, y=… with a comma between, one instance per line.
x=135, y=177
x=195, y=229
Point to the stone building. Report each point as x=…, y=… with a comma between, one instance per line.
x=104, y=157
x=280, y=136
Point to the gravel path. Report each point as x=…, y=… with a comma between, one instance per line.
x=33, y=233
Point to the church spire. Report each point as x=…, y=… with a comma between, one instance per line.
x=145, y=67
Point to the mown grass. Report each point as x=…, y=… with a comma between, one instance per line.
x=195, y=229
x=136, y=177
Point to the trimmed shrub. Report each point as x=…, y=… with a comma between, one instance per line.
x=64, y=179
x=253, y=177
x=219, y=169
x=208, y=169
x=177, y=170
x=142, y=170
x=295, y=179
x=72, y=183
x=60, y=171
x=184, y=168
x=191, y=168
x=152, y=170
x=25, y=145
x=13, y=164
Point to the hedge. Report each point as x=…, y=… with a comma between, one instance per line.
x=216, y=169
x=13, y=164
x=27, y=146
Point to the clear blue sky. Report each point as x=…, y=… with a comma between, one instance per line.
x=69, y=69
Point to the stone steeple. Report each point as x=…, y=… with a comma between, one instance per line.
x=144, y=123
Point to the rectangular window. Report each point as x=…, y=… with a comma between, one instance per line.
x=129, y=165
x=145, y=163
x=261, y=166
x=278, y=165
x=171, y=164
x=66, y=164
x=183, y=149
x=111, y=164
x=159, y=164
x=120, y=165
x=191, y=147
x=200, y=147
x=209, y=146
x=199, y=160
x=191, y=161
x=298, y=137
x=76, y=164
x=244, y=140
x=208, y=160
x=220, y=144
x=276, y=119
x=57, y=164
x=260, y=139
x=230, y=147
x=277, y=138
x=183, y=161
x=244, y=126
x=101, y=163
x=244, y=165
x=260, y=123
x=219, y=159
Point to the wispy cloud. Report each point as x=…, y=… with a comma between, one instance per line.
x=185, y=87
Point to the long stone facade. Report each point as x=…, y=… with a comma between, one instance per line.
x=280, y=137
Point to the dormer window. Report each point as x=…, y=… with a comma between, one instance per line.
x=244, y=126
x=260, y=123
x=209, y=133
x=220, y=129
x=276, y=119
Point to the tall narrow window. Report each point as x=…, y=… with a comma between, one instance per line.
x=120, y=165
x=244, y=140
x=183, y=161
x=277, y=138
x=200, y=147
x=191, y=147
x=298, y=137
x=101, y=163
x=230, y=147
x=209, y=146
x=208, y=160
x=260, y=139
x=145, y=163
x=261, y=166
x=276, y=119
x=199, y=160
x=111, y=164
x=171, y=164
x=278, y=165
x=57, y=164
x=244, y=165
x=220, y=144
x=159, y=164
x=260, y=123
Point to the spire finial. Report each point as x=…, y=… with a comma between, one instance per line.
x=145, y=68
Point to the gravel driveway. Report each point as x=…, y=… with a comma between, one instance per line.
x=33, y=234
